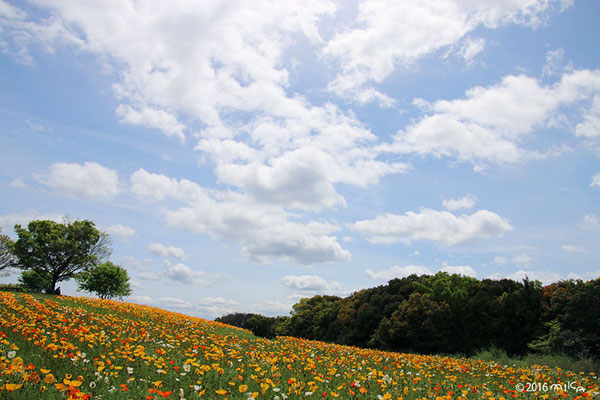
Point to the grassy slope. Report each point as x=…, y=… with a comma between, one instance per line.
x=74, y=347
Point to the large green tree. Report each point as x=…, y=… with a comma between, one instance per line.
x=7, y=259
x=59, y=251
x=107, y=280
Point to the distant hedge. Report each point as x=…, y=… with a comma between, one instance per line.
x=11, y=287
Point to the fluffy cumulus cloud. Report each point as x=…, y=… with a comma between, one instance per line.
x=390, y=33
x=152, y=118
x=437, y=226
x=212, y=69
x=181, y=273
x=490, y=123
x=264, y=231
x=305, y=282
x=121, y=231
x=90, y=180
x=219, y=75
x=160, y=249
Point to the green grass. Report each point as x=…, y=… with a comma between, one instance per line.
x=562, y=361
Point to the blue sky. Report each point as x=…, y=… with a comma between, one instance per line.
x=243, y=155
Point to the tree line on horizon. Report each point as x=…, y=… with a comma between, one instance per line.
x=448, y=314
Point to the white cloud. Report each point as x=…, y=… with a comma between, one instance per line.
x=313, y=284
x=520, y=260
x=389, y=33
x=397, y=272
x=152, y=118
x=18, y=183
x=160, y=249
x=305, y=282
x=490, y=123
x=144, y=300
x=471, y=48
x=595, y=181
x=8, y=221
x=212, y=307
x=437, y=226
x=467, y=202
x=460, y=270
x=148, y=276
x=264, y=231
x=590, y=126
x=546, y=277
x=573, y=248
x=590, y=222
x=19, y=33
x=174, y=302
x=554, y=59
x=131, y=261
x=183, y=274
x=402, y=272
x=120, y=231
x=214, y=74
x=137, y=285
x=89, y=181
x=523, y=260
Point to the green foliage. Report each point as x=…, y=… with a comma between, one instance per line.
x=107, y=280
x=235, y=319
x=311, y=317
x=267, y=327
x=7, y=258
x=11, y=287
x=59, y=250
x=563, y=361
x=451, y=314
x=32, y=281
x=420, y=324
x=570, y=326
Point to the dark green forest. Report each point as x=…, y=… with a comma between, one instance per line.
x=449, y=314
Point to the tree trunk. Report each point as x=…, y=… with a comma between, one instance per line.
x=52, y=288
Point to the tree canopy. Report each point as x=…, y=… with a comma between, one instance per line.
x=107, y=280
x=7, y=259
x=446, y=313
x=59, y=251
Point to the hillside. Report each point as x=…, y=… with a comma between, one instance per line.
x=81, y=348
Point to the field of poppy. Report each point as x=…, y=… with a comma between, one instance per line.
x=81, y=348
